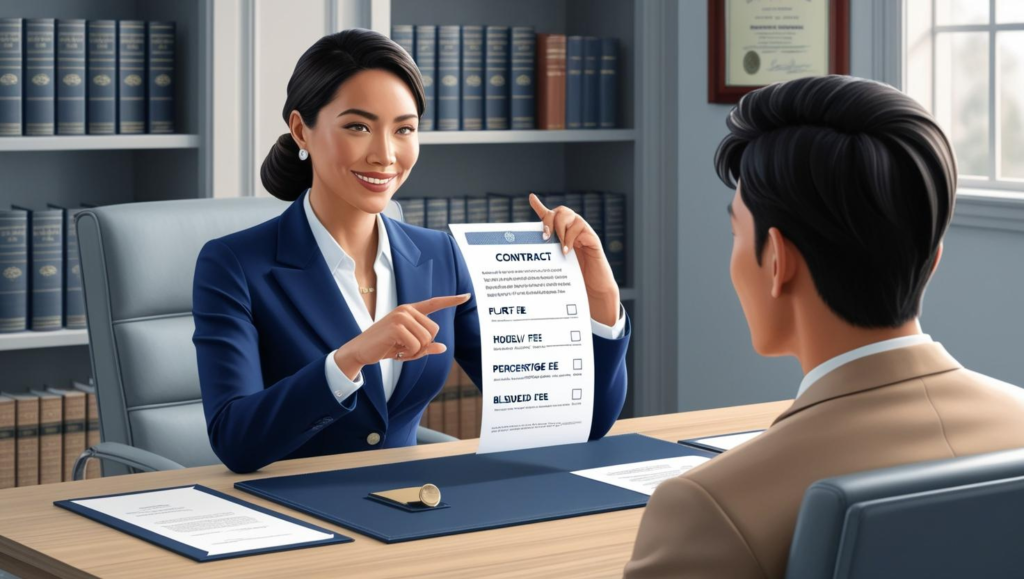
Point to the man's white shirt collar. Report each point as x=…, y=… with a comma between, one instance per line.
x=877, y=348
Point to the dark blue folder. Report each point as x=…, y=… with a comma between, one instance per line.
x=483, y=491
x=186, y=550
x=695, y=442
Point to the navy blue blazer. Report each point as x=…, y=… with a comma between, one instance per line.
x=267, y=312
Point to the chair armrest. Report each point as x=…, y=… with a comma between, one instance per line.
x=428, y=436
x=127, y=455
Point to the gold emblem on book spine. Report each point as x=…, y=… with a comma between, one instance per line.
x=133, y=80
x=72, y=79
x=449, y=80
x=41, y=79
x=12, y=273
x=8, y=80
x=497, y=80
x=101, y=80
x=523, y=80
x=163, y=80
x=48, y=271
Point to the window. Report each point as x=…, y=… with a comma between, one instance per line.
x=965, y=63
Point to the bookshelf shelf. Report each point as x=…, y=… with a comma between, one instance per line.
x=525, y=137
x=33, y=340
x=99, y=142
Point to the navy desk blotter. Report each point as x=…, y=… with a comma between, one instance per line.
x=694, y=442
x=483, y=491
x=189, y=551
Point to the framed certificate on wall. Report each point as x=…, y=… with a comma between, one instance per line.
x=753, y=43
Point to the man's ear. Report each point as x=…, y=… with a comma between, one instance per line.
x=781, y=259
x=297, y=129
x=938, y=258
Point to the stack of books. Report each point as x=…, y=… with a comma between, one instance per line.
x=40, y=274
x=605, y=212
x=502, y=77
x=457, y=409
x=43, y=432
x=78, y=77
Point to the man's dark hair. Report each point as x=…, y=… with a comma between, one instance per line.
x=858, y=176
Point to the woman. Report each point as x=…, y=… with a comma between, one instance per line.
x=330, y=328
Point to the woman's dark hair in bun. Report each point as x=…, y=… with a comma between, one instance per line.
x=320, y=71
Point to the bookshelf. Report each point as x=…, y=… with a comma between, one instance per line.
x=106, y=169
x=628, y=159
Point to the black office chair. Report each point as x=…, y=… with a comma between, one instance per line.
x=954, y=518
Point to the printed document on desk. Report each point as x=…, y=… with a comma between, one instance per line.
x=202, y=520
x=535, y=332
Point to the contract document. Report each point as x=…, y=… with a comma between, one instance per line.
x=202, y=520
x=535, y=336
x=642, y=477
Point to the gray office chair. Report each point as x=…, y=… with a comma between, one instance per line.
x=953, y=518
x=138, y=261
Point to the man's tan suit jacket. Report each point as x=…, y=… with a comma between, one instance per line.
x=733, y=517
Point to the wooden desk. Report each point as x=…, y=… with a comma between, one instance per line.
x=38, y=539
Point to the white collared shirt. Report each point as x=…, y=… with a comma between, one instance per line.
x=877, y=348
x=342, y=268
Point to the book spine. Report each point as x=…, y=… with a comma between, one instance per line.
x=593, y=212
x=476, y=209
x=591, y=55
x=160, y=38
x=40, y=58
x=74, y=298
x=496, y=68
x=467, y=408
x=472, y=78
x=414, y=211
x=522, y=211
x=615, y=235
x=499, y=208
x=551, y=81
x=131, y=74
x=14, y=271
x=426, y=59
x=92, y=434
x=523, y=77
x=457, y=210
x=74, y=431
x=448, y=91
x=51, y=441
x=450, y=405
x=27, y=435
x=101, y=69
x=437, y=213
x=71, y=77
x=11, y=77
x=7, y=438
x=47, y=263
x=574, y=201
x=404, y=36
x=552, y=200
x=574, y=82
x=608, y=84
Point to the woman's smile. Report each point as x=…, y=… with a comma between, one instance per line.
x=377, y=182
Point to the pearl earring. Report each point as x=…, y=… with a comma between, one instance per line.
x=303, y=154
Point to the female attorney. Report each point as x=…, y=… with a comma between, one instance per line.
x=331, y=327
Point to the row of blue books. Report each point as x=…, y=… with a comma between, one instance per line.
x=40, y=276
x=77, y=77
x=604, y=211
x=485, y=78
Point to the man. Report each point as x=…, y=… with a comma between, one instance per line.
x=844, y=190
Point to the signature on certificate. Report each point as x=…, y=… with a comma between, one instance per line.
x=790, y=67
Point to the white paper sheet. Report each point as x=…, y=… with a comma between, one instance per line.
x=642, y=477
x=535, y=333
x=204, y=521
x=728, y=441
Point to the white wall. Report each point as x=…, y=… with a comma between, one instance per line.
x=974, y=304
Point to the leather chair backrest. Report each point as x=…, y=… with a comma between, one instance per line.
x=138, y=262
x=959, y=517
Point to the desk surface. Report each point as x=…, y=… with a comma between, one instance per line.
x=38, y=539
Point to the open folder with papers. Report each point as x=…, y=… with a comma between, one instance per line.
x=201, y=523
x=482, y=491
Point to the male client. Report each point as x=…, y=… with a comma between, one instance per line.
x=844, y=190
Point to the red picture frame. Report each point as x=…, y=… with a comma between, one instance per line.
x=719, y=92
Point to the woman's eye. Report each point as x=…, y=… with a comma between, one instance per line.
x=406, y=131
x=358, y=127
